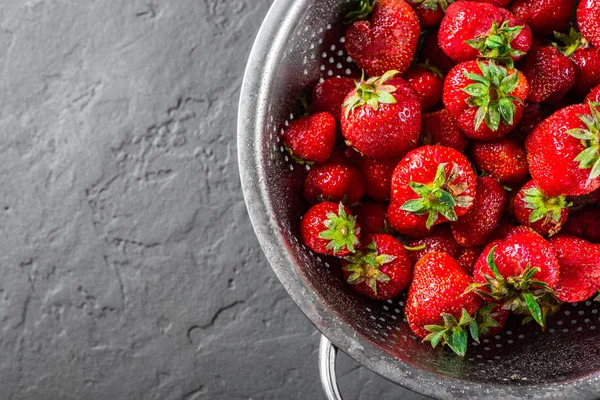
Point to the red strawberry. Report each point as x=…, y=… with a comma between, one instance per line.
x=491, y=318
x=468, y=258
x=563, y=151
x=519, y=271
x=501, y=231
x=497, y=3
x=329, y=229
x=473, y=228
x=440, y=239
x=437, y=308
x=532, y=116
x=382, y=117
x=380, y=269
x=378, y=176
x=432, y=185
x=588, y=19
x=579, y=268
x=388, y=41
x=545, y=215
x=334, y=181
x=543, y=16
x=430, y=12
x=594, y=95
x=485, y=99
x=428, y=82
x=434, y=54
x=372, y=217
x=585, y=58
x=584, y=224
x=439, y=128
x=311, y=138
x=502, y=159
x=329, y=95
x=471, y=30
x=550, y=74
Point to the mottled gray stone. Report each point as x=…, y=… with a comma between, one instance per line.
x=129, y=266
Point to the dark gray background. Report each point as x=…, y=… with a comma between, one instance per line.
x=129, y=266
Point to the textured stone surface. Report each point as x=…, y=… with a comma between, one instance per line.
x=129, y=267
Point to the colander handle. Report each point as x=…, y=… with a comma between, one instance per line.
x=327, y=357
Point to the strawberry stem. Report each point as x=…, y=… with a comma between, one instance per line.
x=570, y=43
x=365, y=267
x=341, y=231
x=496, y=44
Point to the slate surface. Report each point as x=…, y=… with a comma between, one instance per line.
x=129, y=266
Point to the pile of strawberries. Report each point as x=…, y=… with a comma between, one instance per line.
x=464, y=166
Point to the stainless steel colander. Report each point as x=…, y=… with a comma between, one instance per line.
x=300, y=42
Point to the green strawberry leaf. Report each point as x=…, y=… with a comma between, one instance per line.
x=534, y=308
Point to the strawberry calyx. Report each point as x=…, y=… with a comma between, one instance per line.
x=299, y=160
x=454, y=332
x=520, y=294
x=495, y=45
x=416, y=248
x=544, y=207
x=372, y=92
x=569, y=44
x=365, y=267
x=363, y=10
x=341, y=231
x=485, y=318
x=590, y=138
x=439, y=197
x=432, y=5
x=492, y=95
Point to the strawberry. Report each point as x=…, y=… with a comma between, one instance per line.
x=579, y=268
x=543, y=16
x=497, y=3
x=388, y=41
x=472, y=30
x=584, y=224
x=428, y=82
x=382, y=117
x=312, y=138
x=483, y=91
x=430, y=12
x=545, y=215
x=380, y=269
x=532, y=116
x=519, y=271
x=329, y=228
x=440, y=239
x=473, y=228
x=372, y=217
x=563, y=151
x=550, y=74
x=588, y=19
x=434, y=54
x=468, y=258
x=439, y=128
x=437, y=308
x=432, y=185
x=378, y=176
x=329, y=95
x=585, y=58
x=491, y=318
x=502, y=159
x=594, y=95
x=334, y=181
x=501, y=231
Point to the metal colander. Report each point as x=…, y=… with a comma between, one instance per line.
x=299, y=43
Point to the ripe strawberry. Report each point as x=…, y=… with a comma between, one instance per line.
x=378, y=176
x=311, y=138
x=543, y=16
x=473, y=228
x=585, y=58
x=430, y=12
x=380, y=269
x=388, y=41
x=428, y=82
x=335, y=181
x=434, y=54
x=439, y=128
x=431, y=185
x=372, y=217
x=468, y=258
x=437, y=308
x=502, y=159
x=491, y=318
x=584, y=224
x=329, y=95
x=588, y=19
x=329, y=228
x=545, y=215
x=579, y=268
x=382, y=117
x=519, y=271
x=482, y=91
x=532, y=116
x=501, y=231
x=440, y=239
x=550, y=74
x=563, y=151
x=473, y=30
x=594, y=95
x=497, y=3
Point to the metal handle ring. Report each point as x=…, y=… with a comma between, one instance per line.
x=327, y=357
